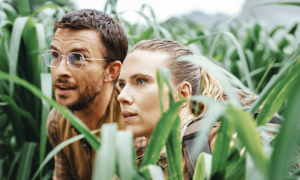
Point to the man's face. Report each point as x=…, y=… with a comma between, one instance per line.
x=77, y=89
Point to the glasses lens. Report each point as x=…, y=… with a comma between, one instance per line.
x=75, y=60
x=51, y=58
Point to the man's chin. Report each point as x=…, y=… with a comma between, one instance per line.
x=64, y=102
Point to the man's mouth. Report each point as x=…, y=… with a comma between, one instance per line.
x=63, y=89
x=66, y=87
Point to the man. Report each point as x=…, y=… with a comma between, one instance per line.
x=85, y=59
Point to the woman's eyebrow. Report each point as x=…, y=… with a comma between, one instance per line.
x=121, y=80
x=134, y=76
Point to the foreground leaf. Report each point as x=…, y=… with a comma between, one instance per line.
x=124, y=154
x=104, y=168
x=27, y=153
x=287, y=136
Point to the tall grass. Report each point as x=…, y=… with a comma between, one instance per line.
x=239, y=58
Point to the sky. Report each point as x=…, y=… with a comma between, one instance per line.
x=165, y=9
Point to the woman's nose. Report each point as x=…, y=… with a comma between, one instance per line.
x=125, y=97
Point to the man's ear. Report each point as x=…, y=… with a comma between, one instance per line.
x=112, y=71
x=184, y=90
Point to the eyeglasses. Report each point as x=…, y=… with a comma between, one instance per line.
x=74, y=59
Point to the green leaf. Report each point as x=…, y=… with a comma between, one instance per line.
x=58, y=148
x=104, y=168
x=243, y=59
x=40, y=30
x=294, y=58
x=281, y=3
x=145, y=35
x=156, y=172
x=47, y=90
x=203, y=167
x=221, y=148
x=24, y=7
x=246, y=130
x=27, y=153
x=159, y=135
x=33, y=123
x=13, y=164
x=287, y=136
x=277, y=96
x=124, y=154
x=10, y=12
x=174, y=153
x=40, y=8
x=215, y=110
x=15, y=41
x=251, y=170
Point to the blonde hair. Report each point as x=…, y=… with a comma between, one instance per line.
x=184, y=70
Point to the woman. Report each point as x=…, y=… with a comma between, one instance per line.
x=139, y=97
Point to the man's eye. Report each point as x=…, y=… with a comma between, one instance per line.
x=55, y=55
x=78, y=57
x=122, y=85
x=141, y=81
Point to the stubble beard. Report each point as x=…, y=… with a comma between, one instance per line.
x=85, y=99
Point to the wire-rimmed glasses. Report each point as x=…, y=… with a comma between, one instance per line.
x=74, y=59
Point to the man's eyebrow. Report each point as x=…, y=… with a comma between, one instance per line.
x=53, y=47
x=80, y=49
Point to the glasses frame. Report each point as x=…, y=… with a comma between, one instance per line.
x=68, y=61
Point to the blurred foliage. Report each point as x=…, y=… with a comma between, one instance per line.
x=247, y=56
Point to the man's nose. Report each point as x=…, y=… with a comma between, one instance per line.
x=125, y=97
x=62, y=69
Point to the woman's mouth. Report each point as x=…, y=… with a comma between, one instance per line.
x=128, y=116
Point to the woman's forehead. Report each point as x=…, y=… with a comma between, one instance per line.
x=141, y=60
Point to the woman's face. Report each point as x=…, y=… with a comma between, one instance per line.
x=139, y=97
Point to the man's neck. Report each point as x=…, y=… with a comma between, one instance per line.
x=93, y=114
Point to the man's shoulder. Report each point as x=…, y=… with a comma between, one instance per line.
x=54, y=118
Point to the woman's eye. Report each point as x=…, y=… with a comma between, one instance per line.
x=141, y=81
x=122, y=85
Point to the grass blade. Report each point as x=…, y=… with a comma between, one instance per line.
x=274, y=82
x=203, y=167
x=47, y=90
x=40, y=8
x=104, y=168
x=174, y=152
x=243, y=59
x=156, y=172
x=23, y=7
x=277, y=96
x=246, y=129
x=10, y=12
x=27, y=153
x=58, y=148
x=124, y=152
x=221, y=149
x=15, y=41
x=287, y=136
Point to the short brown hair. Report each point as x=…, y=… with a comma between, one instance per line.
x=111, y=33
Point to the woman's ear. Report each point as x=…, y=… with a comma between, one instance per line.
x=184, y=90
x=112, y=71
